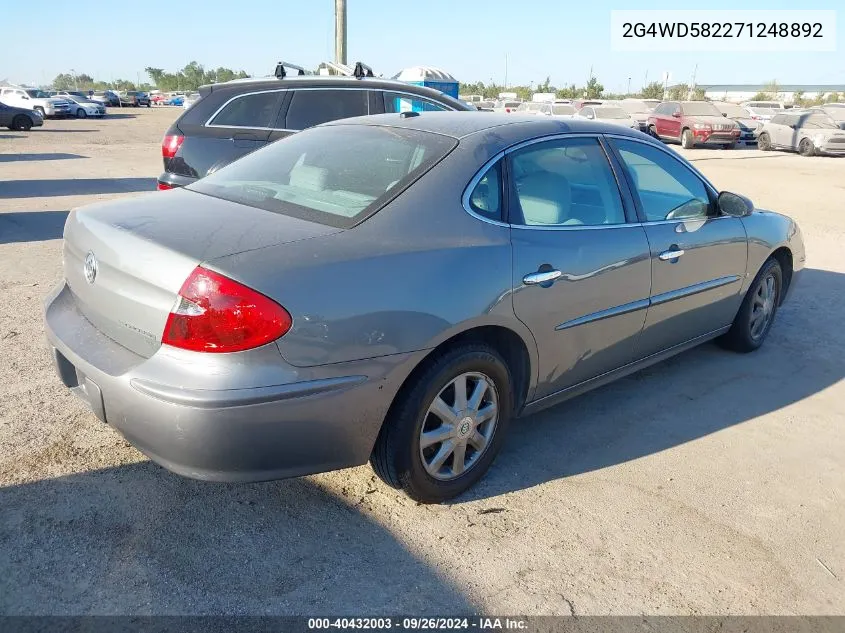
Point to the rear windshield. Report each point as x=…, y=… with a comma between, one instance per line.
x=611, y=113
x=563, y=109
x=335, y=175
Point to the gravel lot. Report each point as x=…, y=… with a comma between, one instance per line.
x=711, y=484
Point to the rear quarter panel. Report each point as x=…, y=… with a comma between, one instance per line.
x=413, y=275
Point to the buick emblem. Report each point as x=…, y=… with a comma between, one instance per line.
x=90, y=267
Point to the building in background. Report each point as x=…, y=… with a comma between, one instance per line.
x=737, y=93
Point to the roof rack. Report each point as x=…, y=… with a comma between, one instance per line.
x=280, y=69
x=359, y=71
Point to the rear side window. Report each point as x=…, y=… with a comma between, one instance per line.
x=486, y=196
x=399, y=102
x=312, y=107
x=252, y=110
x=336, y=175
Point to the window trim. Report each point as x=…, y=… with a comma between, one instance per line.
x=208, y=122
x=630, y=203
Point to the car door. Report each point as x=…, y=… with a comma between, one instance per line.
x=673, y=121
x=698, y=256
x=581, y=271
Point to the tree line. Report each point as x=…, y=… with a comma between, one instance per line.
x=191, y=77
x=593, y=89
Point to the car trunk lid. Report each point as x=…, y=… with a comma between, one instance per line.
x=126, y=260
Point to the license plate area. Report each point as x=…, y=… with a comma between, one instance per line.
x=80, y=385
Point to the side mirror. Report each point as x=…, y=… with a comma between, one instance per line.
x=25, y=97
x=724, y=114
x=734, y=205
x=677, y=115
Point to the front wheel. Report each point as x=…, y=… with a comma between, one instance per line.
x=443, y=433
x=81, y=114
x=687, y=141
x=764, y=142
x=757, y=312
x=41, y=112
x=22, y=123
x=806, y=147
x=729, y=146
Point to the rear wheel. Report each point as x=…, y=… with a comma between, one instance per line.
x=81, y=114
x=444, y=432
x=757, y=312
x=764, y=142
x=687, y=141
x=729, y=146
x=806, y=147
x=21, y=122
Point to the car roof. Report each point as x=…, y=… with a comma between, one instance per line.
x=459, y=125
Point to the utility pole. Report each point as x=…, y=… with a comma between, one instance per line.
x=692, y=87
x=645, y=81
x=340, y=31
x=506, y=71
x=628, y=91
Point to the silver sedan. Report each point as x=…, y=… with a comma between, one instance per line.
x=397, y=288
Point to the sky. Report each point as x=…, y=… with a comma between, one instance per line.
x=471, y=39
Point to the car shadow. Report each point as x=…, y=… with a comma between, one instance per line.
x=4, y=136
x=73, y=187
x=136, y=540
x=44, y=130
x=687, y=397
x=12, y=158
x=116, y=115
x=31, y=226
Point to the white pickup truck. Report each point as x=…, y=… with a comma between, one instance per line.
x=32, y=99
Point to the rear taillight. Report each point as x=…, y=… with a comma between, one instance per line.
x=170, y=145
x=507, y=109
x=163, y=186
x=216, y=314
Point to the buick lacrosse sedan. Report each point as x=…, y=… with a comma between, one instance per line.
x=397, y=288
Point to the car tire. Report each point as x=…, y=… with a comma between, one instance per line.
x=22, y=123
x=754, y=320
x=806, y=147
x=40, y=110
x=764, y=142
x=687, y=140
x=729, y=146
x=398, y=458
x=81, y=114
x=652, y=132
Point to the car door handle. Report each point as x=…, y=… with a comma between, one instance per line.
x=673, y=253
x=546, y=276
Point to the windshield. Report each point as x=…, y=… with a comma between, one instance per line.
x=333, y=175
x=837, y=114
x=563, y=109
x=611, y=113
x=732, y=110
x=818, y=121
x=37, y=94
x=700, y=108
x=633, y=106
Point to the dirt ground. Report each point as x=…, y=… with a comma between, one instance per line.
x=711, y=484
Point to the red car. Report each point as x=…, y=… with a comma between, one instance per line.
x=692, y=123
x=158, y=99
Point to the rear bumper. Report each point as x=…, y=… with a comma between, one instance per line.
x=261, y=420
x=172, y=181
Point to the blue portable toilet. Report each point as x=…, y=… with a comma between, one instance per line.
x=430, y=78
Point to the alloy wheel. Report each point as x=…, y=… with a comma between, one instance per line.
x=459, y=426
x=763, y=306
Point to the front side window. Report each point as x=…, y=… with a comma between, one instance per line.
x=336, y=175
x=252, y=110
x=486, y=196
x=666, y=188
x=566, y=182
x=400, y=102
x=312, y=107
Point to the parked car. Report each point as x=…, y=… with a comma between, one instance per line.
x=748, y=126
x=809, y=132
x=22, y=119
x=190, y=99
x=506, y=106
x=692, y=123
x=609, y=114
x=106, y=97
x=580, y=103
x=762, y=114
x=639, y=110
x=530, y=107
x=434, y=325
x=134, y=98
x=158, y=99
x=71, y=93
x=234, y=118
x=175, y=100
x=37, y=100
x=765, y=105
x=84, y=107
x=487, y=106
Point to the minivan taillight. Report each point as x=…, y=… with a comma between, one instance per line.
x=216, y=314
x=170, y=145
